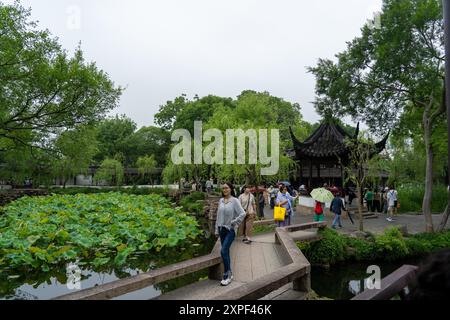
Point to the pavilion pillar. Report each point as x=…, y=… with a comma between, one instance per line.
x=318, y=175
x=310, y=174
x=301, y=174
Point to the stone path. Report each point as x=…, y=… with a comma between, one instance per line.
x=415, y=223
x=249, y=262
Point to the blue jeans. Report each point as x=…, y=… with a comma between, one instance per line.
x=286, y=222
x=226, y=239
x=336, y=220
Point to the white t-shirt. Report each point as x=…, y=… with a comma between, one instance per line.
x=391, y=197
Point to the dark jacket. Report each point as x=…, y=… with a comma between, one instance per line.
x=337, y=205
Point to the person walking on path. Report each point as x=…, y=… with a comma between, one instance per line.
x=337, y=205
x=230, y=215
x=318, y=212
x=369, y=199
x=385, y=201
x=262, y=203
x=247, y=201
x=273, y=196
x=285, y=200
x=392, y=203
x=209, y=186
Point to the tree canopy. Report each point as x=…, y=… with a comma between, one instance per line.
x=43, y=90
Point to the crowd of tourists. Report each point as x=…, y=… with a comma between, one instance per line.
x=242, y=206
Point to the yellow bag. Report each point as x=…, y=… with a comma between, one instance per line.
x=279, y=213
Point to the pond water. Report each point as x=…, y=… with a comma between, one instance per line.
x=40, y=285
x=344, y=281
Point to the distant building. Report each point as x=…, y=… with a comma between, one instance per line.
x=322, y=156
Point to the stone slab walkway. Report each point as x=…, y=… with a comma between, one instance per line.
x=415, y=223
x=249, y=262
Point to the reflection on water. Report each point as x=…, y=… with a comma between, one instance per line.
x=344, y=281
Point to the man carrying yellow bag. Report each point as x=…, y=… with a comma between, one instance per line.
x=284, y=207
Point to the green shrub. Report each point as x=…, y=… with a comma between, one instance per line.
x=329, y=250
x=190, y=204
x=87, y=190
x=391, y=245
x=434, y=240
x=361, y=250
x=411, y=197
x=197, y=196
x=417, y=247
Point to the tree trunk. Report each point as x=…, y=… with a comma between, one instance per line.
x=426, y=205
x=444, y=219
x=359, y=186
x=360, y=214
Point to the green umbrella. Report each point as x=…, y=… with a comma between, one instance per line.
x=322, y=195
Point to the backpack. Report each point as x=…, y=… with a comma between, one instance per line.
x=318, y=209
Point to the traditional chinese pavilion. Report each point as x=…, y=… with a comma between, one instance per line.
x=322, y=156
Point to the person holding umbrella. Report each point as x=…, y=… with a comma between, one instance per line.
x=321, y=196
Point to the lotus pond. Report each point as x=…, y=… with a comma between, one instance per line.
x=109, y=236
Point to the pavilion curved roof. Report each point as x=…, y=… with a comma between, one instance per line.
x=328, y=141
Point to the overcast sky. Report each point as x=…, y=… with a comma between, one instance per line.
x=161, y=49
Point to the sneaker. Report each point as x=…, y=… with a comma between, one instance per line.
x=389, y=219
x=227, y=278
x=247, y=241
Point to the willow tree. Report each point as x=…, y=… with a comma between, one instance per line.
x=251, y=110
x=146, y=165
x=393, y=68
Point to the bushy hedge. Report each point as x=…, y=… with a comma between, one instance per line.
x=411, y=197
x=87, y=190
x=389, y=246
x=190, y=204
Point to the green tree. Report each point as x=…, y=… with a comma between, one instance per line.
x=361, y=166
x=114, y=135
x=76, y=149
x=153, y=141
x=182, y=112
x=42, y=88
x=146, y=165
x=251, y=110
x=111, y=171
x=390, y=70
x=167, y=114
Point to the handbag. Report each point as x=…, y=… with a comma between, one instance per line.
x=279, y=213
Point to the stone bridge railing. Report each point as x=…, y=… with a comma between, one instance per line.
x=297, y=271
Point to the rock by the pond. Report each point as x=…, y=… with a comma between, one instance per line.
x=403, y=229
x=359, y=235
x=210, y=207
